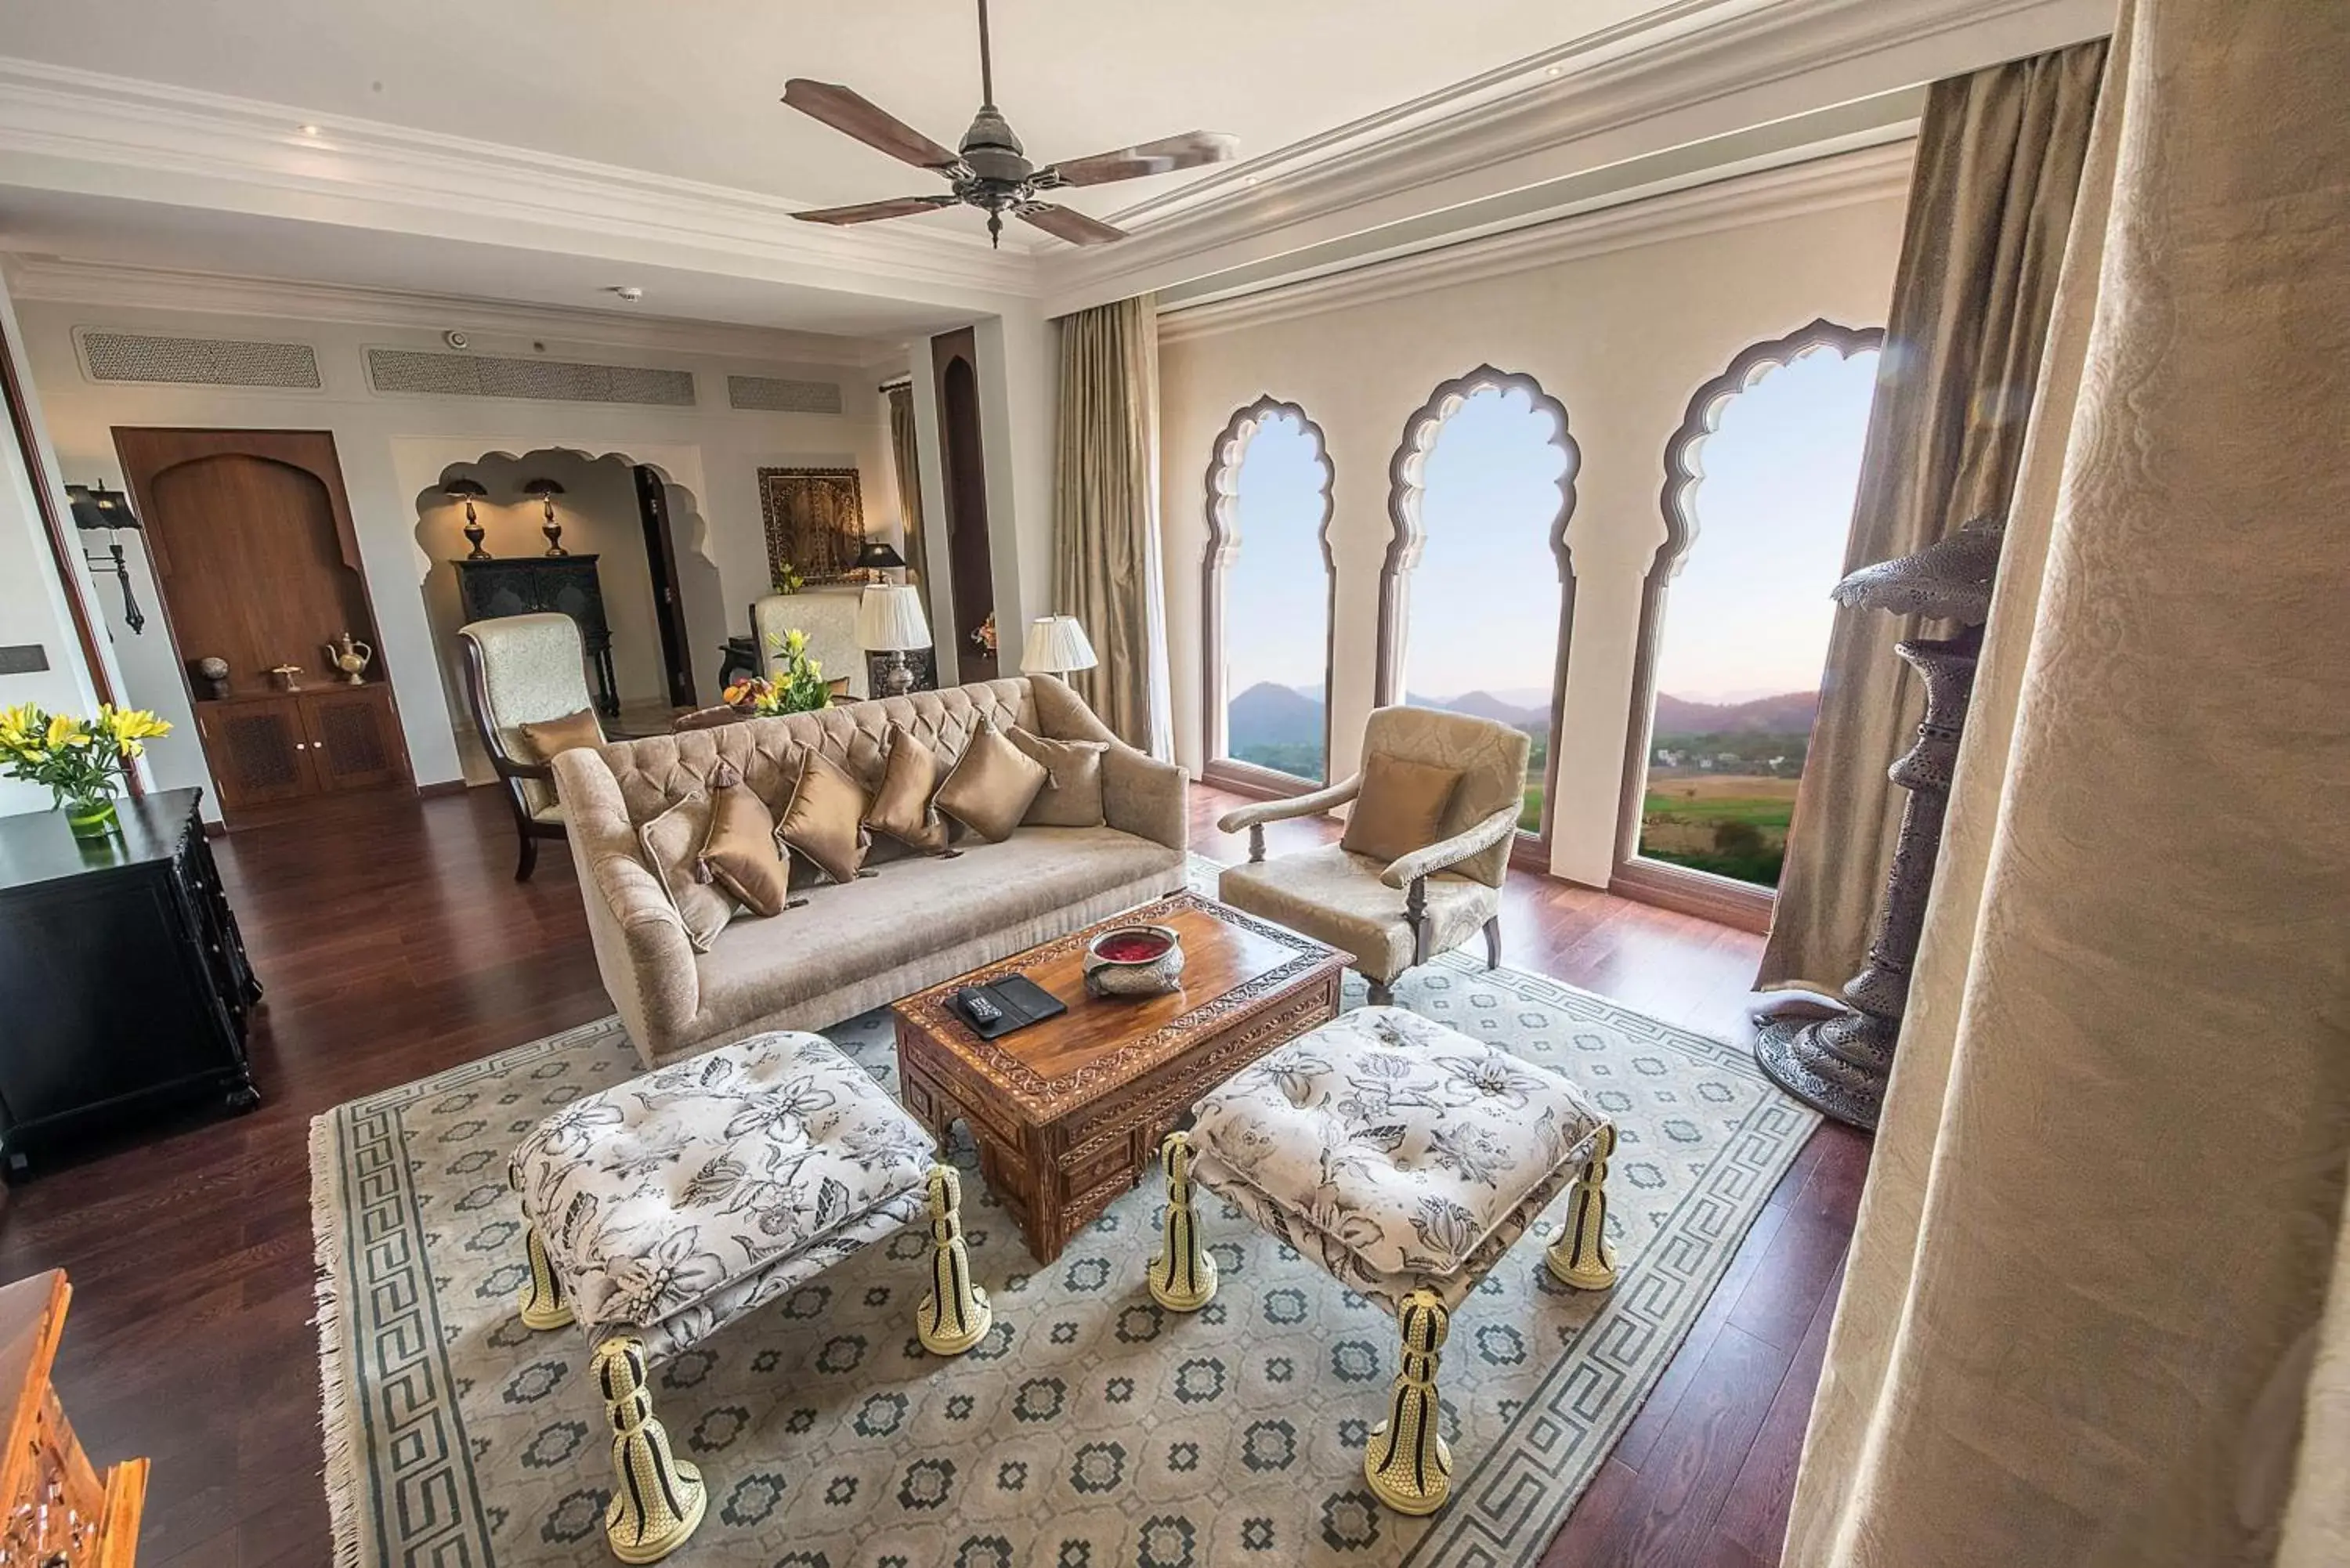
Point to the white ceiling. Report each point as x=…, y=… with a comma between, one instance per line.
x=689, y=87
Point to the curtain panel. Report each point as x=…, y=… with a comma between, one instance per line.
x=1106, y=555
x=906, y=461
x=1999, y=160
x=2098, y=1306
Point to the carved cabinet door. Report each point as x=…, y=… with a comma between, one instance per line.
x=259, y=749
x=353, y=737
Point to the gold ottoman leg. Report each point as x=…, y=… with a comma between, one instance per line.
x=1182, y=1277
x=659, y=1497
x=1409, y=1465
x=955, y=1315
x=543, y=1306
x=1581, y=1257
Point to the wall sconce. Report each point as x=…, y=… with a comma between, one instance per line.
x=95, y=506
x=547, y=490
x=469, y=490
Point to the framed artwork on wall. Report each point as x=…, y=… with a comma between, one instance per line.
x=815, y=520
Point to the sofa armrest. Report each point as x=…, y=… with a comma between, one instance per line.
x=1313, y=805
x=641, y=950
x=1146, y=797
x=1451, y=851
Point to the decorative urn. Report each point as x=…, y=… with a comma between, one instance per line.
x=1134, y=960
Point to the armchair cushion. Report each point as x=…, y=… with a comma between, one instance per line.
x=541, y=738
x=1401, y=808
x=1335, y=895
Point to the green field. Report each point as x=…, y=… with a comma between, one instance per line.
x=1731, y=825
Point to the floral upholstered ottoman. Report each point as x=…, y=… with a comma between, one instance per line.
x=1405, y=1158
x=664, y=1209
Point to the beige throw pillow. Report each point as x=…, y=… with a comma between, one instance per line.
x=1072, y=795
x=543, y=738
x=992, y=786
x=1400, y=808
x=825, y=819
x=671, y=844
x=901, y=807
x=740, y=853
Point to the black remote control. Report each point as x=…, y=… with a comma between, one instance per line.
x=982, y=1010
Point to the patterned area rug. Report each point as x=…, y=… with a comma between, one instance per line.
x=1091, y=1430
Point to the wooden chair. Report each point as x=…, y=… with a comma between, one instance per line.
x=1394, y=916
x=524, y=669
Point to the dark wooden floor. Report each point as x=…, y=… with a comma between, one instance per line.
x=394, y=944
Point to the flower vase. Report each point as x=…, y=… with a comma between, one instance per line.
x=89, y=816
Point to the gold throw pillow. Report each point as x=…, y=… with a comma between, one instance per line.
x=991, y=785
x=671, y=844
x=541, y=738
x=901, y=807
x=1400, y=808
x=740, y=853
x=825, y=820
x=1072, y=795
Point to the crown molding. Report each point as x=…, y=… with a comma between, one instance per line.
x=1875, y=174
x=109, y=135
x=106, y=285
x=1697, y=70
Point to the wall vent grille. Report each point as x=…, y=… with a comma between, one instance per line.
x=781, y=395
x=198, y=361
x=538, y=380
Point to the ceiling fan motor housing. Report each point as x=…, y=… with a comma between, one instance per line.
x=990, y=149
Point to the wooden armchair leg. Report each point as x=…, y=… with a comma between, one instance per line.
x=1494, y=942
x=527, y=861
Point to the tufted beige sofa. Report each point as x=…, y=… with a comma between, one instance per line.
x=915, y=921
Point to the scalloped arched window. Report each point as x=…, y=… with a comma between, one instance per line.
x=1759, y=485
x=1478, y=596
x=1266, y=593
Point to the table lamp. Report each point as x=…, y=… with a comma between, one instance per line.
x=1057, y=644
x=889, y=620
x=879, y=557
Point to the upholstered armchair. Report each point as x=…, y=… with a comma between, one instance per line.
x=1394, y=915
x=828, y=616
x=524, y=669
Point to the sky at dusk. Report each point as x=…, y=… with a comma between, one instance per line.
x=1747, y=616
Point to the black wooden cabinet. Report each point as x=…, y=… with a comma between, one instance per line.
x=530, y=585
x=126, y=980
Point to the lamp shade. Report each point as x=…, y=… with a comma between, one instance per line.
x=878, y=556
x=889, y=619
x=1057, y=644
x=465, y=489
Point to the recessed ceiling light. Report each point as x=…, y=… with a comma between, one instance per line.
x=1553, y=71
x=1251, y=179
x=311, y=130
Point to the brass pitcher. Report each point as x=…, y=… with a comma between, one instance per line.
x=350, y=656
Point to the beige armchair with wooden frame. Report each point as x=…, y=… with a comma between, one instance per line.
x=1394, y=914
x=524, y=669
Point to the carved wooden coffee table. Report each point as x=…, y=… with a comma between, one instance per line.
x=1068, y=1113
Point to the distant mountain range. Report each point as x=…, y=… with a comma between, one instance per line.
x=1266, y=714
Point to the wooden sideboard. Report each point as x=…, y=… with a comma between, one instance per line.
x=126, y=977
x=270, y=746
x=532, y=585
x=61, y=1513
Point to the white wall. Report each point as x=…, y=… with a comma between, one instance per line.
x=1629, y=313
x=393, y=448
x=33, y=606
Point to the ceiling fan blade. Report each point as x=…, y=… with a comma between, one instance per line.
x=852, y=115
x=1187, y=150
x=1065, y=222
x=865, y=211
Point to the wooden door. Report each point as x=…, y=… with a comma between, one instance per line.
x=669, y=606
x=354, y=737
x=259, y=748
x=971, y=565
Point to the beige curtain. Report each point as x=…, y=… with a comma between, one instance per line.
x=2098, y=1311
x=1106, y=563
x=1999, y=159
x=906, y=461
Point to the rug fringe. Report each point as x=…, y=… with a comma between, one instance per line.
x=342, y=1469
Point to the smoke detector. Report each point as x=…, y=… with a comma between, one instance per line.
x=627, y=291
x=456, y=339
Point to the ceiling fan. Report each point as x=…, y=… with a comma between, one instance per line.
x=989, y=170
